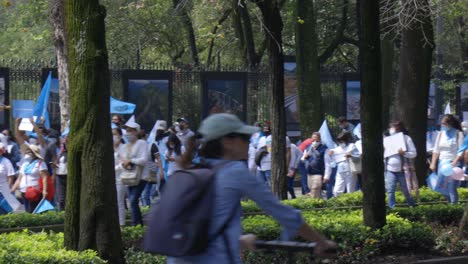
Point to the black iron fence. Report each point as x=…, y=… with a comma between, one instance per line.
x=26, y=77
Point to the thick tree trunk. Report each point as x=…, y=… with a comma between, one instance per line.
x=56, y=15
x=413, y=83
x=91, y=220
x=273, y=31
x=308, y=69
x=388, y=57
x=190, y=31
x=371, y=114
x=243, y=28
x=388, y=91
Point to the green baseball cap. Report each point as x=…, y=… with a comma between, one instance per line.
x=218, y=125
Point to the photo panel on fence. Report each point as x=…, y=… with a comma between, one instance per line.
x=291, y=97
x=224, y=92
x=353, y=100
x=151, y=92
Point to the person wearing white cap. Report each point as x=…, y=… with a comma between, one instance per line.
x=33, y=170
x=226, y=142
x=134, y=154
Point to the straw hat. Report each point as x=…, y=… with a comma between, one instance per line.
x=35, y=150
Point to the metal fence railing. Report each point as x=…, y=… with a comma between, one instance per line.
x=26, y=77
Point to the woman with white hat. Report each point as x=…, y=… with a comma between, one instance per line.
x=32, y=171
x=133, y=158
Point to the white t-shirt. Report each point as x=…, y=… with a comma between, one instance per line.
x=173, y=166
x=265, y=164
x=448, y=148
x=6, y=170
x=118, y=163
x=33, y=178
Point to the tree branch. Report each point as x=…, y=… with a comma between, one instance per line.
x=215, y=29
x=339, y=35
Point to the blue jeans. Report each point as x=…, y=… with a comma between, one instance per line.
x=302, y=170
x=264, y=177
x=291, y=187
x=149, y=192
x=134, y=193
x=450, y=184
x=331, y=184
x=391, y=179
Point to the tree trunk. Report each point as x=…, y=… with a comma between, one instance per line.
x=190, y=31
x=308, y=69
x=273, y=31
x=56, y=17
x=413, y=83
x=388, y=57
x=91, y=220
x=371, y=112
x=388, y=91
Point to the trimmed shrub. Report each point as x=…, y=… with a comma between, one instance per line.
x=26, y=219
x=436, y=213
x=26, y=247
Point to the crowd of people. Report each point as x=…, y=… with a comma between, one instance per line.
x=329, y=169
x=30, y=162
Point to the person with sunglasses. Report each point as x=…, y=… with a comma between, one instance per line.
x=225, y=147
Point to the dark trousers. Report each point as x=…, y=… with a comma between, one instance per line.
x=291, y=187
x=134, y=193
x=302, y=170
x=61, y=191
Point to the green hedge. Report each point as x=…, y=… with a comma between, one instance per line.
x=25, y=247
x=303, y=203
x=356, y=241
x=27, y=220
x=351, y=199
x=436, y=213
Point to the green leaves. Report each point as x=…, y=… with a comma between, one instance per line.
x=25, y=247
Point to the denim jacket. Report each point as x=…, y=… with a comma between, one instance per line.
x=233, y=182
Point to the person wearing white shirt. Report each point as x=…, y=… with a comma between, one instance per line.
x=446, y=147
x=7, y=175
x=119, y=149
x=394, y=167
x=264, y=146
x=134, y=154
x=173, y=154
x=345, y=180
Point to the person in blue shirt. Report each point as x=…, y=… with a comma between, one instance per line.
x=226, y=142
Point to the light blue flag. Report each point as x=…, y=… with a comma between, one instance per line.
x=326, y=136
x=41, y=108
x=43, y=206
x=120, y=107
